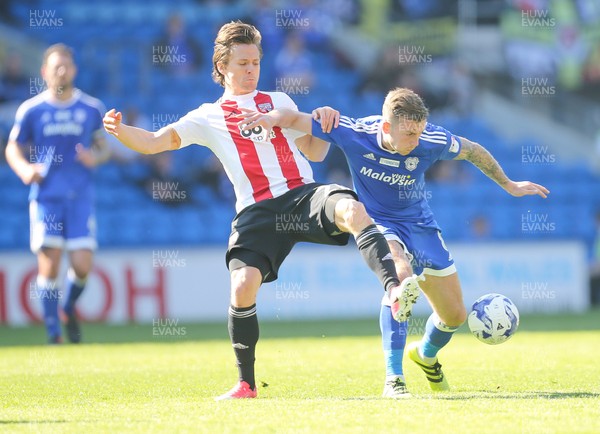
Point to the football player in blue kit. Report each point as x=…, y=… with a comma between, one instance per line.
x=388, y=155
x=54, y=144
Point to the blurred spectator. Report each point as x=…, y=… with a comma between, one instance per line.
x=162, y=183
x=293, y=65
x=389, y=72
x=421, y=9
x=530, y=5
x=212, y=175
x=14, y=83
x=448, y=171
x=385, y=73
x=462, y=90
x=337, y=167
x=6, y=11
x=480, y=228
x=346, y=12
x=176, y=50
x=595, y=265
x=591, y=70
x=314, y=22
x=264, y=16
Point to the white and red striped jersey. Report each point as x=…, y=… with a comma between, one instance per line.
x=259, y=168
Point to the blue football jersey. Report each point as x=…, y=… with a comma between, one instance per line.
x=48, y=131
x=390, y=185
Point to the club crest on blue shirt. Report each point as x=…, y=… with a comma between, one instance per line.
x=411, y=163
x=79, y=115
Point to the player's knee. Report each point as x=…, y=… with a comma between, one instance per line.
x=244, y=286
x=455, y=318
x=240, y=283
x=81, y=271
x=81, y=263
x=353, y=214
x=76, y=276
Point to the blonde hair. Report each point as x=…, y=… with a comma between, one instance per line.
x=231, y=34
x=404, y=103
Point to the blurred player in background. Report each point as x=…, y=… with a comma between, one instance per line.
x=273, y=183
x=388, y=156
x=56, y=141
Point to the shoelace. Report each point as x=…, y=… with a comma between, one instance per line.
x=398, y=384
x=438, y=368
x=437, y=371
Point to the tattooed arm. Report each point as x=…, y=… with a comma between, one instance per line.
x=482, y=159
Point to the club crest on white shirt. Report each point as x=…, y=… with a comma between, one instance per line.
x=264, y=107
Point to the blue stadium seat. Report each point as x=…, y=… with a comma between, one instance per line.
x=10, y=236
x=108, y=174
x=128, y=215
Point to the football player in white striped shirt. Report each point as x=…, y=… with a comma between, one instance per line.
x=388, y=155
x=272, y=181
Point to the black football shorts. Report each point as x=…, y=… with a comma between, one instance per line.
x=264, y=233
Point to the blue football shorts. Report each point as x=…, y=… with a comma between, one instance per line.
x=423, y=245
x=63, y=223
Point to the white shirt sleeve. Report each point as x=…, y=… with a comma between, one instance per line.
x=192, y=128
x=287, y=102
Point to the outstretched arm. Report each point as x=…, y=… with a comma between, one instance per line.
x=313, y=148
x=282, y=117
x=482, y=159
x=138, y=139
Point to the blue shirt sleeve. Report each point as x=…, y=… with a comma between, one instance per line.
x=342, y=136
x=452, y=147
x=99, y=115
x=22, y=132
x=318, y=132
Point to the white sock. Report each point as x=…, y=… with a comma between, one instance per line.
x=393, y=377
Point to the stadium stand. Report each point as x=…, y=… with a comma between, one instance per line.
x=116, y=65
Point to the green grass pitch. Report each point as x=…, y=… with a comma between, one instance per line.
x=314, y=377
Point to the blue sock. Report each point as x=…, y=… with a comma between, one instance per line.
x=437, y=335
x=393, y=336
x=50, y=295
x=75, y=287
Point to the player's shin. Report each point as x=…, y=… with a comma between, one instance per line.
x=47, y=290
x=375, y=251
x=437, y=335
x=75, y=287
x=393, y=337
x=243, y=331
